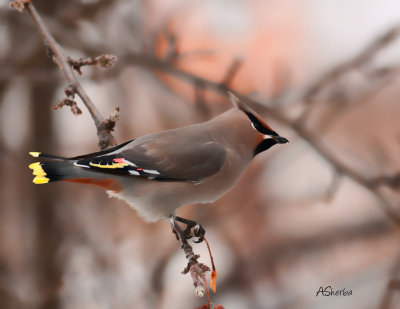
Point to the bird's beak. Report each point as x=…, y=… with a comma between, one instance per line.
x=280, y=139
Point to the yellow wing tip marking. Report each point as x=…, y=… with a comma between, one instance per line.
x=34, y=154
x=114, y=165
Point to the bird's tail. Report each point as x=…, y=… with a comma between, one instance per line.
x=66, y=169
x=45, y=172
x=61, y=168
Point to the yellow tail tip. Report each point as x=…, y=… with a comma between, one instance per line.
x=33, y=166
x=34, y=154
x=39, y=173
x=37, y=169
x=40, y=180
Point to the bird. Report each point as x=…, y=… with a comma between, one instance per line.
x=159, y=172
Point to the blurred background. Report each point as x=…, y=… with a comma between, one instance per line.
x=320, y=211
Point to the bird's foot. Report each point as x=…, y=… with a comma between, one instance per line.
x=193, y=229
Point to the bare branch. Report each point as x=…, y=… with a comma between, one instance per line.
x=19, y=5
x=392, y=287
x=317, y=144
x=389, y=181
x=200, y=102
x=383, y=76
x=197, y=270
x=333, y=187
x=69, y=101
x=102, y=61
x=172, y=43
x=106, y=139
x=358, y=61
x=232, y=71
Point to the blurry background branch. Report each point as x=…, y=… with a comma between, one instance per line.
x=360, y=61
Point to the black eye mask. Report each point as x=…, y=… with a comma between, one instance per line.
x=259, y=127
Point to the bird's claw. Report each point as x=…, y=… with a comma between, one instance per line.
x=195, y=231
x=192, y=229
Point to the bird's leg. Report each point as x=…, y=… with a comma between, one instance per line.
x=192, y=229
x=172, y=223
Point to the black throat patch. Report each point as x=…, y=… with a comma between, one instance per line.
x=264, y=145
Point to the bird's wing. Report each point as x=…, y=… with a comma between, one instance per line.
x=161, y=160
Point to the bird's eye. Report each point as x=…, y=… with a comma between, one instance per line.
x=258, y=126
x=255, y=123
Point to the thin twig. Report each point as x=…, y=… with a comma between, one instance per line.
x=214, y=270
x=106, y=139
x=102, y=61
x=392, y=288
x=200, y=102
x=388, y=181
x=232, y=71
x=333, y=187
x=69, y=101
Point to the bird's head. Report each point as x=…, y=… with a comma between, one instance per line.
x=266, y=136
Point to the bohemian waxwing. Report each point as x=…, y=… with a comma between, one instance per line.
x=160, y=172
